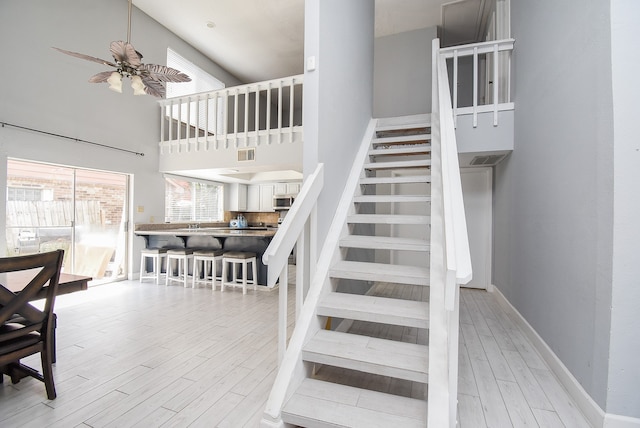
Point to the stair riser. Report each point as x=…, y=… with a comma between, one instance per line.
x=370, y=317
x=365, y=367
x=365, y=276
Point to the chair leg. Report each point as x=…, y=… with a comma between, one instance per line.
x=254, y=264
x=224, y=275
x=244, y=277
x=47, y=373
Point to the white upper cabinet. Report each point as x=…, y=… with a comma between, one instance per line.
x=237, y=200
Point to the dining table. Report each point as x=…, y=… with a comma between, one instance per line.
x=67, y=283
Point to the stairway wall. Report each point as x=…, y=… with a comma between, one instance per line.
x=402, y=73
x=553, y=196
x=338, y=94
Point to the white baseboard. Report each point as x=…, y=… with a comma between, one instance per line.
x=617, y=421
x=590, y=409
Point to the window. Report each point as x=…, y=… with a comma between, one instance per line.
x=187, y=200
x=201, y=81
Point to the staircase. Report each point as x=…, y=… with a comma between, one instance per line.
x=367, y=365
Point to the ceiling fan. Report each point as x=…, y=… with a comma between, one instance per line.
x=145, y=78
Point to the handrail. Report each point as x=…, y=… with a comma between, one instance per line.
x=277, y=253
x=450, y=263
x=276, y=256
x=291, y=368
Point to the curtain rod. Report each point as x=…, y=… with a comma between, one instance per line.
x=77, y=140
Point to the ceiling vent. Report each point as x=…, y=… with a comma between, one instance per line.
x=487, y=160
x=246, y=154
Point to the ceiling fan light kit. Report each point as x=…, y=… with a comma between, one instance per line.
x=145, y=78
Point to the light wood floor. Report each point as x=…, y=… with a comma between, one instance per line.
x=132, y=354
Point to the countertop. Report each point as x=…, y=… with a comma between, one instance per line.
x=221, y=231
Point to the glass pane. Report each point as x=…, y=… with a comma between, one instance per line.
x=39, y=208
x=100, y=224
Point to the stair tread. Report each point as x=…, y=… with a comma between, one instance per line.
x=402, y=126
x=392, y=198
x=365, y=271
x=389, y=219
x=401, y=140
x=396, y=180
x=383, y=357
x=385, y=242
x=421, y=163
x=408, y=313
x=324, y=404
x=405, y=150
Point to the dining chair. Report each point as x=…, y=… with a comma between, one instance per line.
x=24, y=329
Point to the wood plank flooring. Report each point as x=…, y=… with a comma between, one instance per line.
x=141, y=355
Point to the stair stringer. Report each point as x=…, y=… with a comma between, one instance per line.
x=292, y=370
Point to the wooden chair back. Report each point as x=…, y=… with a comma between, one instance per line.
x=24, y=328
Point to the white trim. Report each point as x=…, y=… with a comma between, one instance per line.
x=590, y=409
x=617, y=421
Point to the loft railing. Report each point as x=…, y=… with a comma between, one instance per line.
x=450, y=264
x=480, y=77
x=239, y=116
x=298, y=229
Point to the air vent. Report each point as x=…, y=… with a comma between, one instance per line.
x=246, y=154
x=487, y=160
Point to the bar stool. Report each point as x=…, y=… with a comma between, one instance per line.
x=232, y=258
x=206, y=258
x=182, y=256
x=157, y=255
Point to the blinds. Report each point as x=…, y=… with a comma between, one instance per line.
x=187, y=200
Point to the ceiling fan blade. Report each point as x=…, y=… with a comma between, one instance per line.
x=165, y=74
x=153, y=87
x=87, y=57
x=100, y=77
x=125, y=52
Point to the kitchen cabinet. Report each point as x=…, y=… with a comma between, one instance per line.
x=260, y=198
x=293, y=188
x=253, y=198
x=280, y=189
x=237, y=200
x=266, y=197
x=286, y=188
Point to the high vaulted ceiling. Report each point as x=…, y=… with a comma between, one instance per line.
x=258, y=40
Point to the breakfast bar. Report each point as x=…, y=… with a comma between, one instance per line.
x=210, y=236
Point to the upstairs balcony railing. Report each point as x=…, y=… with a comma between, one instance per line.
x=240, y=116
x=480, y=75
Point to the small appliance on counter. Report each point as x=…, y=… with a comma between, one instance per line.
x=240, y=222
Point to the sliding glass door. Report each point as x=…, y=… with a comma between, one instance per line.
x=81, y=211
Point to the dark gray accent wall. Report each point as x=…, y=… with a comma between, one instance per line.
x=553, y=201
x=402, y=73
x=338, y=94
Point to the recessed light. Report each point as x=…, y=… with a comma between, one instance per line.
x=211, y=24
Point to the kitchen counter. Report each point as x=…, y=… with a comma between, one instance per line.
x=252, y=239
x=216, y=232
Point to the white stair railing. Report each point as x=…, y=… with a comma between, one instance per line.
x=490, y=77
x=240, y=116
x=450, y=257
x=291, y=371
x=298, y=229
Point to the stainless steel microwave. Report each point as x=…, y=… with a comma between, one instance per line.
x=282, y=202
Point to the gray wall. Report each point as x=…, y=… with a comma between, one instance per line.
x=338, y=94
x=553, y=201
x=402, y=73
x=624, y=370
x=47, y=90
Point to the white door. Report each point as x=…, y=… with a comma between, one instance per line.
x=477, y=193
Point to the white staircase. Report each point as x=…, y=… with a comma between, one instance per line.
x=371, y=368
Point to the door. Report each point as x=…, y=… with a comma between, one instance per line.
x=81, y=211
x=477, y=194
